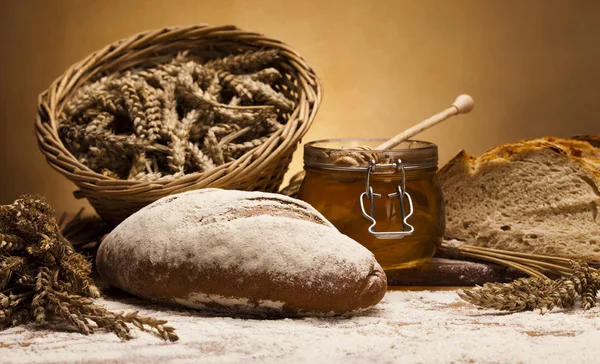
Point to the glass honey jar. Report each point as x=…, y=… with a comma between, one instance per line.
x=388, y=200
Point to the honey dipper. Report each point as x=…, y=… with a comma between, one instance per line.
x=462, y=105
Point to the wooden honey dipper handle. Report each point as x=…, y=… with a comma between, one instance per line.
x=462, y=105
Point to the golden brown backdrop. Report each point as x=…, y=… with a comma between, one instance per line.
x=532, y=66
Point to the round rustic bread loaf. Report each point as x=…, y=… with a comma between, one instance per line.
x=240, y=252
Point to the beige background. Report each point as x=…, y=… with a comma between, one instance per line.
x=533, y=67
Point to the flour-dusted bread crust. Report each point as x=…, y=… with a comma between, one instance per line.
x=240, y=252
x=538, y=196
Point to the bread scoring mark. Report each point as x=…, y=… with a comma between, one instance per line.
x=245, y=212
x=277, y=200
x=300, y=211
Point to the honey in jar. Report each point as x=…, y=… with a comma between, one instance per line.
x=387, y=200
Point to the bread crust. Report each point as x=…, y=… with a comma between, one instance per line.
x=461, y=159
x=219, y=262
x=580, y=151
x=593, y=140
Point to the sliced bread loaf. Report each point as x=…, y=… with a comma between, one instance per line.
x=538, y=196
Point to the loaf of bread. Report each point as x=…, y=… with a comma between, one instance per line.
x=240, y=252
x=537, y=196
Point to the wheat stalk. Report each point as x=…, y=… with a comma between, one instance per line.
x=577, y=280
x=45, y=281
x=175, y=116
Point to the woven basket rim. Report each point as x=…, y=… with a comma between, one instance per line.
x=62, y=160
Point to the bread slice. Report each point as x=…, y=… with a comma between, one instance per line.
x=540, y=196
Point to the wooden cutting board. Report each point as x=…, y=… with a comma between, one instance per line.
x=451, y=272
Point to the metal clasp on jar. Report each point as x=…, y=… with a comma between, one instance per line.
x=400, y=193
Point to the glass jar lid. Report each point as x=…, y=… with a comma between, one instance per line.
x=354, y=154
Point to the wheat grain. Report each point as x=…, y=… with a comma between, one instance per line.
x=538, y=293
x=45, y=281
x=249, y=61
x=167, y=117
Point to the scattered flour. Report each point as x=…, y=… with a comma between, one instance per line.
x=407, y=327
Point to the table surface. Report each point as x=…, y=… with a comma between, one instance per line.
x=413, y=324
x=410, y=325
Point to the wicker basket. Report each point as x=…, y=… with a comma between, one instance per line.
x=260, y=169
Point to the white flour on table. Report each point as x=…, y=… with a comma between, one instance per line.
x=407, y=327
